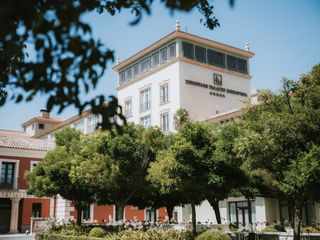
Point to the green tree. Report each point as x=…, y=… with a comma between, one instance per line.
x=67, y=60
x=225, y=177
x=281, y=140
x=53, y=175
x=118, y=172
x=182, y=169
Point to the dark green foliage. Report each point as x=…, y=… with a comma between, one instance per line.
x=68, y=60
x=151, y=234
x=281, y=142
x=97, y=232
x=53, y=175
x=213, y=235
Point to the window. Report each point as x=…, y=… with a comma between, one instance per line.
x=145, y=65
x=122, y=77
x=145, y=99
x=151, y=215
x=164, y=93
x=146, y=121
x=172, y=50
x=128, y=74
x=242, y=65
x=33, y=165
x=128, y=108
x=163, y=55
x=79, y=126
x=239, y=212
x=164, y=118
x=216, y=58
x=155, y=60
x=231, y=63
x=200, y=53
x=36, y=210
x=135, y=70
x=188, y=50
x=92, y=123
x=41, y=126
x=7, y=175
x=308, y=212
x=86, y=212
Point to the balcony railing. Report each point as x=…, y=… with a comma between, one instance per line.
x=145, y=106
x=8, y=183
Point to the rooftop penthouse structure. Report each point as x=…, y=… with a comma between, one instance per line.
x=182, y=70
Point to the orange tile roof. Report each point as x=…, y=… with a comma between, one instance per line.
x=20, y=140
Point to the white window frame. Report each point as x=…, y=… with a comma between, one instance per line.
x=128, y=111
x=174, y=45
x=160, y=59
x=92, y=127
x=145, y=99
x=165, y=127
x=76, y=125
x=143, y=121
x=16, y=170
x=162, y=100
x=32, y=163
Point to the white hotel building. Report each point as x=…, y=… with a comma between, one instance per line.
x=210, y=80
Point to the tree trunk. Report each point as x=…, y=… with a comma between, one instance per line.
x=120, y=212
x=79, y=215
x=297, y=218
x=170, y=212
x=194, y=220
x=215, y=206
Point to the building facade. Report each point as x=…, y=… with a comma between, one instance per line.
x=19, y=154
x=207, y=78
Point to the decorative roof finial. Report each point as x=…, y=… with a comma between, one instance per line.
x=118, y=60
x=247, y=47
x=177, y=26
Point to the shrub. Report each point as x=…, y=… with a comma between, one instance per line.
x=310, y=229
x=269, y=229
x=274, y=228
x=97, y=232
x=213, y=235
x=151, y=234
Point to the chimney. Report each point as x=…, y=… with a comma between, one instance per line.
x=118, y=60
x=45, y=113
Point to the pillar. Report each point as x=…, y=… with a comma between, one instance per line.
x=14, y=215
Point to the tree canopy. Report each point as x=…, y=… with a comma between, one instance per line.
x=68, y=60
x=281, y=139
x=53, y=175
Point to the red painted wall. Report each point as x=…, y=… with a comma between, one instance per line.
x=132, y=213
x=27, y=208
x=101, y=213
x=162, y=214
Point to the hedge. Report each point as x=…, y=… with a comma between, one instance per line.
x=124, y=235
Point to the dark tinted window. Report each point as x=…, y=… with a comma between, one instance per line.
x=172, y=50
x=242, y=65
x=121, y=77
x=155, y=59
x=231, y=62
x=216, y=58
x=135, y=70
x=200, y=54
x=188, y=50
x=163, y=55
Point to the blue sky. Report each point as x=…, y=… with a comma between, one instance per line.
x=284, y=35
